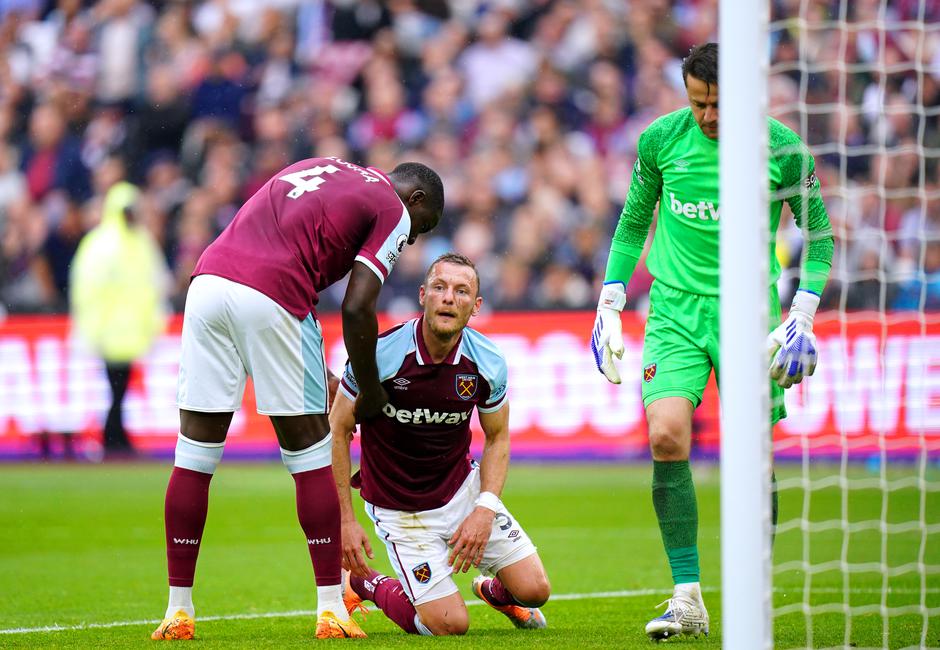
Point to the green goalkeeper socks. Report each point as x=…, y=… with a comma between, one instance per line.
x=677, y=512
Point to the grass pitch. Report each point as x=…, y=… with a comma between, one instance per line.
x=82, y=561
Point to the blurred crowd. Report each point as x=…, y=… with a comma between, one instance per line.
x=529, y=109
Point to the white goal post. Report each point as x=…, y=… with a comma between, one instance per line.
x=856, y=560
x=745, y=436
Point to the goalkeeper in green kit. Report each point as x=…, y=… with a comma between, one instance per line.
x=677, y=165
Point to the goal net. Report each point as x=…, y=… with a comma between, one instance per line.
x=856, y=557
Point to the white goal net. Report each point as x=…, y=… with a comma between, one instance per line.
x=856, y=560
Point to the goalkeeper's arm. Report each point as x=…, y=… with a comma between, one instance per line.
x=625, y=251
x=793, y=344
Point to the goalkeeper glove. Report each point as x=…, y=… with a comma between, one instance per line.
x=607, y=338
x=793, y=344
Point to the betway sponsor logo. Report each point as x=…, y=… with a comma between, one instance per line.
x=704, y=210
x=190, y=542
x=319, y=540
x=425, y=416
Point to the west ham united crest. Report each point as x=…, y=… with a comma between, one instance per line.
x=467, y=386
x=422, y=572
x=649, y=372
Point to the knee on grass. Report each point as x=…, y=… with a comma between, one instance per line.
x=447, y=624
x=534, y=593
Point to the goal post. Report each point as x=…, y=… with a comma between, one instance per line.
x=856, y=555
x=745, y=436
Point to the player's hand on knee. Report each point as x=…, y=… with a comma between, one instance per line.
x=470, y=539
x=607, y=337
x=370, y=402
x=792, y=345
x=355, y=541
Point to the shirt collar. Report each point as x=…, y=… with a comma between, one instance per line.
x=422, y=355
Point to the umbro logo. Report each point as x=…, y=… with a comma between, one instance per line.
x=401, y=383
x=682, y=164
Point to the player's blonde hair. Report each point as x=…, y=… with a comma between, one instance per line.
x=454, y=258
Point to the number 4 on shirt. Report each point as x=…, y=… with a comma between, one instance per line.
x=307, y=180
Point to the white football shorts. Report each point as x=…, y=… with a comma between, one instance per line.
x=417, y=542
x=231, y=332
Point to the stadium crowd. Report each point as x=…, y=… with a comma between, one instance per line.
x=529, y=110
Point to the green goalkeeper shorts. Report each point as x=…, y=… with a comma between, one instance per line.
x=681, y=346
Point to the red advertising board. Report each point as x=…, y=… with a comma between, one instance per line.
x=877, y=388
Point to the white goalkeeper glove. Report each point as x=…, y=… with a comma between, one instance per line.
x=792, y=345
x=607, y=338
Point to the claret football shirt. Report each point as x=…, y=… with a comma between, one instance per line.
x=304, y=229
x=416, y=453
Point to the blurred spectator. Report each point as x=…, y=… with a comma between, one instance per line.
x=923, y=291
x=160, y=120
x=118, y=282
x=53, y=259
x=221, y=94
x=122, y=33
x=51, y=158
x=870, y=268
x=21, y=290
x=495, y=63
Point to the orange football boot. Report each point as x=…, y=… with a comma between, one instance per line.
x=179, y=627
x=525, y=618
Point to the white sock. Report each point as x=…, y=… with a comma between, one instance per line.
x=330, y=599
x=181, y=598
x=690, y=590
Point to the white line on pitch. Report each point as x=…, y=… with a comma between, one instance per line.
x=627, y=593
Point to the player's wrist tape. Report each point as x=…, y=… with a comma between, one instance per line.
x=805, y=302
x=613, y=296
x=489, y=500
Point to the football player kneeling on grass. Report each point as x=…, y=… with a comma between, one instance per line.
x=436, y=510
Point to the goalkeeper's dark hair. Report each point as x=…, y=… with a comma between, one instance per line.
x=458, y=259
x=702, y=63
x=423, y=178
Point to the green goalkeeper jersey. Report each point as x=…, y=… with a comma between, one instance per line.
x=677, y=165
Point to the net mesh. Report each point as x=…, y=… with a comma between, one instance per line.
x=857, y=549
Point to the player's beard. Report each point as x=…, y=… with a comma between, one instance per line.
x=447, y=331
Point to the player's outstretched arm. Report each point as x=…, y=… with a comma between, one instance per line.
x=360, y=332
x=471, y=537
x=342, y=426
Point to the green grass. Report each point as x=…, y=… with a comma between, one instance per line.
x=84, y=545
